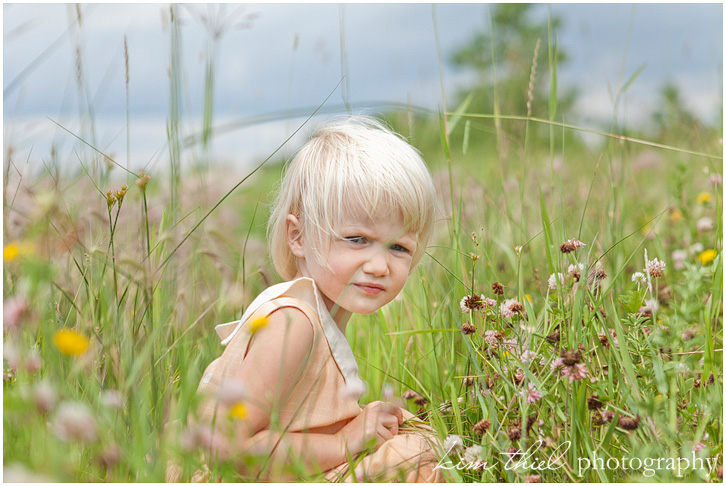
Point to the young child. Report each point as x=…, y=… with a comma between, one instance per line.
x=350, y=223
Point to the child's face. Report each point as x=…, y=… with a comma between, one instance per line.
x=369, y=265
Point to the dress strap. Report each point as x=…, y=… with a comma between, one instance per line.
x=284, y=301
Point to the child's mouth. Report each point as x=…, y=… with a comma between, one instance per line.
x=372, y=289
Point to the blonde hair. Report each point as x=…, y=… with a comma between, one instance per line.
x=350, y=163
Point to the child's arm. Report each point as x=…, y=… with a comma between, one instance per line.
x=275, y=355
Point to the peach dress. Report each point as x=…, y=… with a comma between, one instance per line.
x=325, y=395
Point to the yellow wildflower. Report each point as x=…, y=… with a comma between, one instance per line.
x=15, y=249
x=10, y=252
x=70, y=342
x=707, y=256
x=703, y=198
x=528, y=297
x=676, y=216
x=258, y=324
x=238, y=411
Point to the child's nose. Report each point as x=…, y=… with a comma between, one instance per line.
x=377, y=264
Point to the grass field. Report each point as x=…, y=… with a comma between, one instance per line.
x=519, y=343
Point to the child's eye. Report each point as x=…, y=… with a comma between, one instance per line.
x=397, y=247
x=355, y=239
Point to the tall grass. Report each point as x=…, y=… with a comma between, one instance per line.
x=142, y=275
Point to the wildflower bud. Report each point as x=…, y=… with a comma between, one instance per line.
x=628, y=423
x=120, y=195
x=44, y=397
x=482, y=426
x=112, y=399
x=230, y=392
x=533, y=478
x=498, y=288
x=518, y=377
x=353, y=389
x=514, y=433
x=474, y=256
x=110, y=199
x=518, y=250
x=143, y=180
x=570, y=357
x=14, y=310
x=409, y=395
x=704, y=225
x=33, y=362
x=420, y=401
x=512, y=451
x=554, y=337
x=468, y=328
x=110, y=456
x=74, y=421
x=571, y=245
x=11, y=355
x=594, y=403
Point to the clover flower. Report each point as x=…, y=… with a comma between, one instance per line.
x=655, y=268
x=704, y=225
x=75, y=422
x=468, y=328
x=571, y=245
x=493, y=338
x=639, y=278
x=352, y=389
x=498, y=288
x=231, y=391
x=472, y=454
x=605, y=341
x=14, y=310
x=44, y=396
x=570, y=366
x=510, y=308
x=112, y=399
x=594, y=403
x=575, y=271
x=482, y=426
x=528, y=356
x=575, y=372
x=531, y=394
x=453, y=443
x=628, y=423
x=679, y=258
x=471, y=302
x=716, y=179
x=554, y=279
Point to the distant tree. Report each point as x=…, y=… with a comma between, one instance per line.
x=673, y=120
x=507, y=51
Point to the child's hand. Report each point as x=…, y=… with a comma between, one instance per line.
x=379, y=421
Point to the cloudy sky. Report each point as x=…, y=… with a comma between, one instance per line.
x=286, y=58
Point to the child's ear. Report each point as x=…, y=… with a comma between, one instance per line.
x=294, y=236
